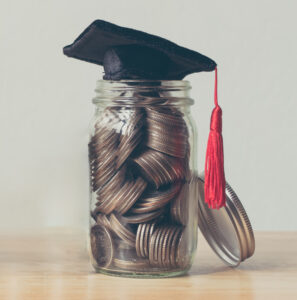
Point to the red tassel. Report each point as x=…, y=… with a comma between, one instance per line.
x=214, y=186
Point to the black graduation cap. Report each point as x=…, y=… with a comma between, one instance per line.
x=132, y=54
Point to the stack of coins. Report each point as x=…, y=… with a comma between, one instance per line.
x=103, y=148
x=167, y=132
x=131, y=135
x=159, y=168
x=153, y=201
x=139, y=166
x=167, y=247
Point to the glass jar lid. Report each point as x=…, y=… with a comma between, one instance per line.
x=228, y=230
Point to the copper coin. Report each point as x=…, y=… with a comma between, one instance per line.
x=103, y=220
x=122, y=231
x=173, y=248
x=110, y=202
x=159, y=168
x=163, y=248
x=139, y=234
x=121, y=198
x=161, y=245
x=131, y=136
x=116, y=182
x=166, y=116
x=131, y=195
x=145, y=239
x=142, y=240
x=144, y=232
x=142, y=218
x=148, y=235
x=103, y=148
x=166, y=253
x=154, y=200
x=157, y=244
x=101, y=246
x=180, y=206
x=152, y=245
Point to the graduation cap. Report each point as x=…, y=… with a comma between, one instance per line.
x=131, y=54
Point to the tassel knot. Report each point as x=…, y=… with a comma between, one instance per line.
x=216, y=119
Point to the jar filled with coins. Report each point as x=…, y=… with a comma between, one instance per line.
x=143, y=179
x=146, y=199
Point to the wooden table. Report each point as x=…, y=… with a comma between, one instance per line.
x=54, y=265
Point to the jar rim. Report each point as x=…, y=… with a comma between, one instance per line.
x=175, y=91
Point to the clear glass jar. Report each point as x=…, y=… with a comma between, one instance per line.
x=142, y=155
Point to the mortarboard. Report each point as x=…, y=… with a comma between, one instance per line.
x=131, y=54
x=134, y=53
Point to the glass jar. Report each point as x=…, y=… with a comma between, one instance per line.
x=143, y=197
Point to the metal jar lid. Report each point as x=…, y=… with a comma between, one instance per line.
x=228, y=230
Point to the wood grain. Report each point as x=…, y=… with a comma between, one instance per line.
x=54, y=265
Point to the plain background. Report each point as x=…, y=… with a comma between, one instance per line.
x=46, y=101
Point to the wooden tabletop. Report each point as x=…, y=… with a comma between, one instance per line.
x=54, y=265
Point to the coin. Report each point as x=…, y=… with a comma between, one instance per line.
x=103, y=220
x=168, y=247
x=142, y=218
x=122, y=231
x=182, y=253
x=111, y=201
x=152, y=201
x=143, y=235
x=173, y=248
x=103, y=159
x=142, y=241
x=166, y=116
x=164, y=246
x=161, y=245
x=130, y=195
x=101, y=246
x=179, y=207
x=148, y=234
x=159, y=168
x=116, y=182
x=139, y=240
x=160, y=138
x=103, y=147
x=152, y=245
x=131, y=135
